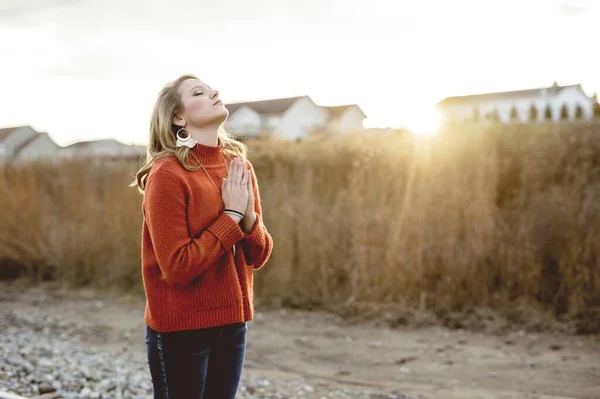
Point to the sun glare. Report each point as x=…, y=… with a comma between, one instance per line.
x=425, y=123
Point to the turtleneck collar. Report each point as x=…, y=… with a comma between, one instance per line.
x=209, y=155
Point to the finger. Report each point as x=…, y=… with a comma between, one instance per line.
x=233, y=168
x=249, y=183
x=250, y=192
x=238, y=172
x=245, y=181
x=242, y=178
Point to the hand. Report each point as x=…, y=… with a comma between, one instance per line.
x=249, y=216
x=235, y=187
x=250, y=207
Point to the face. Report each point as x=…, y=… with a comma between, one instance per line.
x=201, y=105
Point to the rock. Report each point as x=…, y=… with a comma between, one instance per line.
x=27, y=367
x=570, y=357
x=530, y=364
x=57, y=385
x=406, y=360
x=303, y=341
x=46, y=387
x=53, y=395
x=45, y=363
x=59, y=359
x=106, y=386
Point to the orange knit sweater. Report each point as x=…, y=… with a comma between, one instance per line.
x=191, y=276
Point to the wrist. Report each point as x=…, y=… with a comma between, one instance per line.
x=250, y=217
x=249, y=222
x=236, y=218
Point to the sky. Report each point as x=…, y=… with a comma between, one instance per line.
x=91, y=69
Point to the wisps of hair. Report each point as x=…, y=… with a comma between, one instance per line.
x=162, y=140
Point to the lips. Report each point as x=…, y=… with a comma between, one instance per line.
x=218, y=102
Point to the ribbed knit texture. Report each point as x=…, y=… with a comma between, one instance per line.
x=191, y=277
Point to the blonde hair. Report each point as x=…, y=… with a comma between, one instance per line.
x=161, y=143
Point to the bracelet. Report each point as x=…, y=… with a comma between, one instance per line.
x=233, y=212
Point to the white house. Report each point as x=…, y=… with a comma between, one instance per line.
x=554, y=103
x=291, y=118
x=23, y=143
x=106, y=148
x=344, y=118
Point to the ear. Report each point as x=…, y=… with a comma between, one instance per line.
x=179, y=121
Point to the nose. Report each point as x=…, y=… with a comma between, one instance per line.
x=215, y=93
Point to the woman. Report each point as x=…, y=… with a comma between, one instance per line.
x=202, y=238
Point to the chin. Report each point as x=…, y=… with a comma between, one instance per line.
x=221, y=117
x=223, y=113
x=214, y=116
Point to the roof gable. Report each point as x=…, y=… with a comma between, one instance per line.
x=338, y=110
x=275, y=106
x=21, y=147
x=551, y=91
x=7, y=131
x=95, y=143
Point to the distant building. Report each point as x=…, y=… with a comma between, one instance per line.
x=291, y=118
x=551, y=104
x=344, y=118
x=107, y=148
x=23, y=143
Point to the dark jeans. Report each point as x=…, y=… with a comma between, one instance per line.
x=197, y=364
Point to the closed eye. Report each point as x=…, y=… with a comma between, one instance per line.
x=198, y=94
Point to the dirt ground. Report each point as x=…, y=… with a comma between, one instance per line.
x=324, y=351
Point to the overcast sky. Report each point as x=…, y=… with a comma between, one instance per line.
x=88, y=69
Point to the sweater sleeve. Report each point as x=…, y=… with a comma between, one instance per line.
x=183, y=258
x=258, y=243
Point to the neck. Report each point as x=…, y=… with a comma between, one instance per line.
x=206, y=135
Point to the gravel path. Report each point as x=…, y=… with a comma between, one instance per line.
x=52, y=356
x=57, y=344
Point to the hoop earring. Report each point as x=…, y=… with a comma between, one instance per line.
x=184, y=141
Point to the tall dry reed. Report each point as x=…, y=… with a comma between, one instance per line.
x=472, y=217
